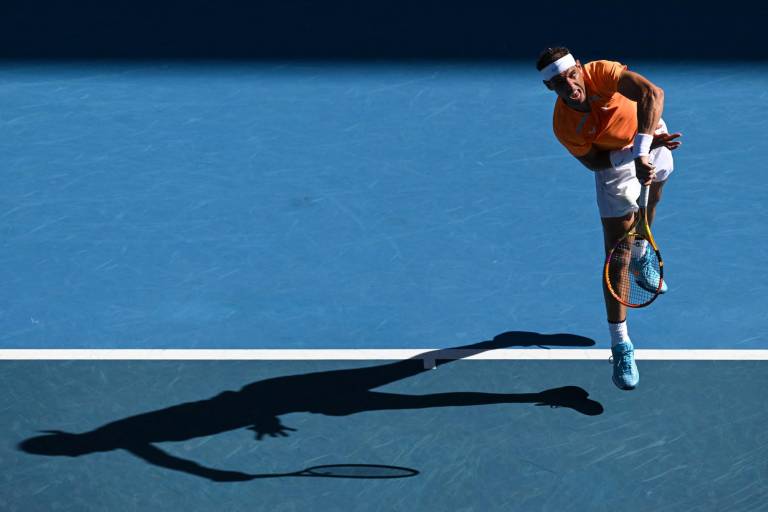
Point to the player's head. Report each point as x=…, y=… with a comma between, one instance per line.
x=55, y=442
x=563, y=74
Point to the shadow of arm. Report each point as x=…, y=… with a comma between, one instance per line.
x=157, y=457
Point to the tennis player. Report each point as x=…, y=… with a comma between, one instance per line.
x=609, y=119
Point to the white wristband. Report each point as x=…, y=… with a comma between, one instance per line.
x=621, y=157
x=642, y=146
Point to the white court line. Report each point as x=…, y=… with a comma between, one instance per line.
x=373, y=354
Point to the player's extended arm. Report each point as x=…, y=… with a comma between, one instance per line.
x=155, y=456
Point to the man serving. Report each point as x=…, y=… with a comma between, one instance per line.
x=609, y=118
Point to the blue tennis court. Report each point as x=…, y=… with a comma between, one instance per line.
x=396, y=208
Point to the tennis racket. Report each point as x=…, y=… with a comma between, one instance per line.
x=625, y=276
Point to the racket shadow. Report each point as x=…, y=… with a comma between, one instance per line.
x=365, y=471
x=259, y=405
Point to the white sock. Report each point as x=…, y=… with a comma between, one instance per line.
x=638, y=249
x=619, y=333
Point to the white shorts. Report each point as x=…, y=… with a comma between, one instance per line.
x=617, y=189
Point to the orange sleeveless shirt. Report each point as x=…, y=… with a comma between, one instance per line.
x=611, y=123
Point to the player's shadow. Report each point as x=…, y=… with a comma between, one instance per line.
x=258, y=405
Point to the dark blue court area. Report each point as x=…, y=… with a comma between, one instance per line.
x=475, y=435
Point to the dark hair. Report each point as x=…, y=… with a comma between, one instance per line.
x=550, y=55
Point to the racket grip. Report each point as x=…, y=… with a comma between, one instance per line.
x=642, y=201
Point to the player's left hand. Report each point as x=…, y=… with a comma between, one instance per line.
x=666, y=140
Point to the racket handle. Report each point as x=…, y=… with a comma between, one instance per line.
x=642, y=201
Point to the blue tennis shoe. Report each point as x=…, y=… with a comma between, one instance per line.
x=625, y=374
x=646, y=274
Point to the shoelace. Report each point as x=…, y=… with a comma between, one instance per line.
x=625, y=365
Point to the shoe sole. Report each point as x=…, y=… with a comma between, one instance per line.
x=623, y=388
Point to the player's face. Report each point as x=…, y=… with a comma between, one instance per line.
x=569, y=85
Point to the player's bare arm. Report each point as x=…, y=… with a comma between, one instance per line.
x=650, y=104
x=649, y=99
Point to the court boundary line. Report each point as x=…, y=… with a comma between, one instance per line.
x=374, y=354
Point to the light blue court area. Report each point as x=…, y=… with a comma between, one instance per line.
x=153, y=205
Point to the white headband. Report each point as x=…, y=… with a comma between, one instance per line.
x=557, y=67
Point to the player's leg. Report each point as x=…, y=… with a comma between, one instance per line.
x=569, y=396
x=617, y=191
x=625, y=373
x=654, y=197
x=613, y=229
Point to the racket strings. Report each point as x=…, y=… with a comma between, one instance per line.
x=634, y=281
